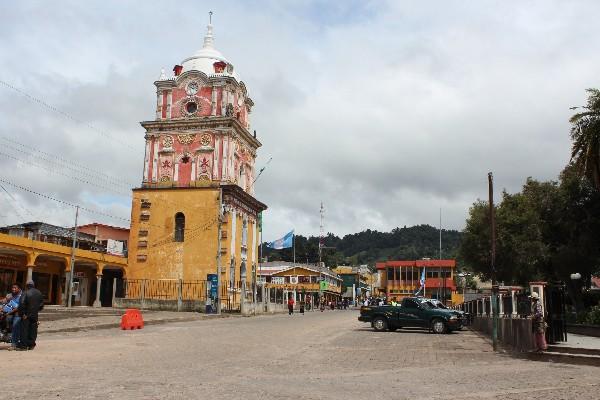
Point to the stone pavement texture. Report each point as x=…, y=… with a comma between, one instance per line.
x=316, y=356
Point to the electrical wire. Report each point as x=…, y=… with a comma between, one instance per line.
x=66, y=115
x=32, y=163
x=89, y=210
x=69, y=164
x=13, y=205
x=44, y=104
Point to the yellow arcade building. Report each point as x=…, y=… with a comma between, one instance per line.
x=196, y=208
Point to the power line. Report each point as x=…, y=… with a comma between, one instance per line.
x=56, y=159
x=81, y=208
x=62, y=201
x=12, y=205
x=32, y=163
x=63, y=113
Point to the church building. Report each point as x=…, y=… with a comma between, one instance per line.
x=196, y=208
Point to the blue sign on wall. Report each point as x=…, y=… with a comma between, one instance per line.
x=212, y=281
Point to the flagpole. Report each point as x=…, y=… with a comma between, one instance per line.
x=294, y=247
x=424, y=281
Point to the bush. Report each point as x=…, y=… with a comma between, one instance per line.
x=590, y=298
x=580, y=317
x=593, y=316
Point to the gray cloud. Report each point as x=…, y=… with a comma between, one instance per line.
x=385, y=111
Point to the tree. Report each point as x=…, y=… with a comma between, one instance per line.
x=474, y=250
x=545, y=232
x=585, y=133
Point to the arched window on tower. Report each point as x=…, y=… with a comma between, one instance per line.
x=179, y=227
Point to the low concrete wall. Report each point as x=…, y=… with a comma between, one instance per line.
x=160, y=305
x=512, y=332
x=198, y=306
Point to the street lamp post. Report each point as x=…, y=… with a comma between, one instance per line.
x=575, y=281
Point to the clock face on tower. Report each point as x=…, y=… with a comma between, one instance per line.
x=191, y=88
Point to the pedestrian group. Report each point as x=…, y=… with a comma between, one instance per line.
x=19, y=316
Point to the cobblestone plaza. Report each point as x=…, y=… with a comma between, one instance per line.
x=326, y=355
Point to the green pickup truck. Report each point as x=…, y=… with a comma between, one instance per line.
x=413, y=312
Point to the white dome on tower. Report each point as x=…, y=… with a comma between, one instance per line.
x=208, y=59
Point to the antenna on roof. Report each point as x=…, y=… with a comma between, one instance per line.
x=210, y=13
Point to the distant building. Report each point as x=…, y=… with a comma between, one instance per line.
x=105, y=234
x=399, y=279
x=353, y=278
x=302, y=281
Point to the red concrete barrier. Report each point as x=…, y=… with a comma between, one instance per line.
x=132, y=319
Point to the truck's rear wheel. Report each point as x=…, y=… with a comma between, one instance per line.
x=438, y=326
x=380, y=324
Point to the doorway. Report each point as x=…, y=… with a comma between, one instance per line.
x=106, y=287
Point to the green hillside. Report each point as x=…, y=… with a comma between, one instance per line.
x=368, y=247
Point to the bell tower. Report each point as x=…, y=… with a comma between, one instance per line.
x=201, y=130
x=196, y=206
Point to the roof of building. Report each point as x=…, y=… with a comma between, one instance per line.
x=275, y=267
x=351, y=270
x=94, y=224
x=43, y=228
x=204, y=59
x=417, y=263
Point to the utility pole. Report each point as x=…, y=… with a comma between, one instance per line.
x=443, y=271
x=69, y=289
x=440, y=233
x=220, y=216
x=321, y=234
x=494, y=304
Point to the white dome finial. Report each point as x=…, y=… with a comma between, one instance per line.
x=209, y=38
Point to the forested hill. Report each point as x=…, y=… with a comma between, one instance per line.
x=368, y=247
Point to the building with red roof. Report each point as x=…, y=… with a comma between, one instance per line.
x=399, y=279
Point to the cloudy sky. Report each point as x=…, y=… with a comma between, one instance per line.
x=385, y=111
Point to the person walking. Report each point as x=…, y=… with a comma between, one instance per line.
x=290, y=305
x=538, y=323
x=32, y=301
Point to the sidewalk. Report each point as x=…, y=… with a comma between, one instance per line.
x=583, y=342
x=54, y=319
x=579, y=349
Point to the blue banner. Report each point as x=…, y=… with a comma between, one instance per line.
x=284, y=243
x=422, y=282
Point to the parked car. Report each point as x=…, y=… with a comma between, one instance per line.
x=465, y=317
x=412, y=312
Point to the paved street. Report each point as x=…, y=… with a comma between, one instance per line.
x=316, y=356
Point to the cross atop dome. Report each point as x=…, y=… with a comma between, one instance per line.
x=205, y=59
x=209, y=38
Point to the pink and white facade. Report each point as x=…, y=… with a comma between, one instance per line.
x=201, y=133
